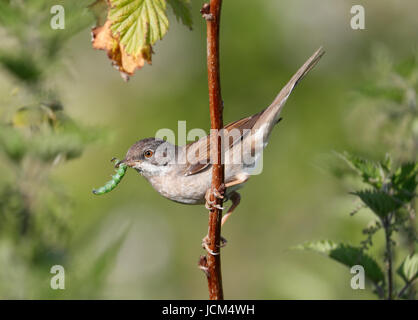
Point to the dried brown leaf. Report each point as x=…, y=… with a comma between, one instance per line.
x=103, y=39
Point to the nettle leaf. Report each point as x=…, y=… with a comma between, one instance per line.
x=347, y=255
x=408, y=270
x=182, y=11
x=404, y=181
x=370, y=171
x=378, y=201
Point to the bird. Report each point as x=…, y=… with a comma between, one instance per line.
x=183, y=173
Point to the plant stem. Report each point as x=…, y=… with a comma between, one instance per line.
x=212, y=262
x=403, y=290
x=386, y=225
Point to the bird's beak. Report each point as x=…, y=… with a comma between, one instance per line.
x=128, y=162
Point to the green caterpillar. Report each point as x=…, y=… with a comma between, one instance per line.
x=116, y=178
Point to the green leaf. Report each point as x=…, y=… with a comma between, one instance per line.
x=138, y=23
x=378, y=201
x=368, y=170
x=182, y=11
x=348, y=256
x=408, y=270
x=404, y=181
x=387, y=163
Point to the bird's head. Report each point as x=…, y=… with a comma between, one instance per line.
x=150, y=156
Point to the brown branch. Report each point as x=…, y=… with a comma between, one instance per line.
x=211, y=263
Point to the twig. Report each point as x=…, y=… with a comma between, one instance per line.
x=403, y=290
x=386, y=226
x=211, y=264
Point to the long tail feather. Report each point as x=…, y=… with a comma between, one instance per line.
x=272, y=113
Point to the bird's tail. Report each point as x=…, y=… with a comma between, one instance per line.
x=271, y=115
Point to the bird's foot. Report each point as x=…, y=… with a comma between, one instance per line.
x=217, y=194
x=212, y=204
x=205, y=245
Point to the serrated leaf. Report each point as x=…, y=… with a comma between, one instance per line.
x=408, y=270
x=138, y=23
x=404, y=181
x=182, y=11
x=131, y=29
x=378, y=201
x=368, y=170
x=347, y=255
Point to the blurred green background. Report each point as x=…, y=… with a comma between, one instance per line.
x=134, y=244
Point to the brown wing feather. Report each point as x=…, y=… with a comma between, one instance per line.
x=202, y=159
x=268, y=116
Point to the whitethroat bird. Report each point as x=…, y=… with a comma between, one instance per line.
x=174, y=175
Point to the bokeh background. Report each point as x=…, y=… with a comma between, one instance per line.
x=134, y=244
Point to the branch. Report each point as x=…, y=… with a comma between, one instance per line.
x=211, y=263
x=388, y=234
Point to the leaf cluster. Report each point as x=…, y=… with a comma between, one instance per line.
x=131, y=27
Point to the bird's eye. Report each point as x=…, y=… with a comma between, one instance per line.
x=148, y=154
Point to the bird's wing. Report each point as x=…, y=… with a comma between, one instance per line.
x=265, y=120
x=198, y=153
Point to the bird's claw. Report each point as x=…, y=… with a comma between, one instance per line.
x=212, y=204
x=205, y=245
x=217, y=194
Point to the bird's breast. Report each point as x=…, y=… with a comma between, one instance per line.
x=183, y=189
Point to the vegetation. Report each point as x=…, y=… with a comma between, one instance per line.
x=37, y=136
x=56, y=94
x=388, y=185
